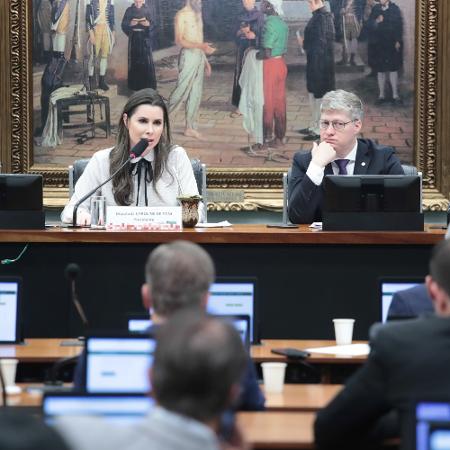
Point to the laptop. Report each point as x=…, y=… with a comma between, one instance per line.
x=117, y=408
x=228, y=297
x=388, y=287
x=432, y=425
x=10, y=299
x=117, y=363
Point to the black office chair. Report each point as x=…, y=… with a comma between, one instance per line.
x=407, y=169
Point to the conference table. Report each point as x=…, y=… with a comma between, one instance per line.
x=305, y=277
x=51, y=350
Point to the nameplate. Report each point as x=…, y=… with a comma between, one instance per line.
x=143, y=218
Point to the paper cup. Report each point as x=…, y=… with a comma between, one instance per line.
x=8, y=368
x=273, y=374
x=343, y=329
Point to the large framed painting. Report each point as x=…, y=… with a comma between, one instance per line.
x=68, y=67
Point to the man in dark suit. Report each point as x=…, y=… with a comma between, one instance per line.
x=407, y=360
x=340, y=152
x=410, y=302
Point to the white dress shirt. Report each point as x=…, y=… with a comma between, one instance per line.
x=316, y=173
x=176, y=180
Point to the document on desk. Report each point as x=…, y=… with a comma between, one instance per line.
x=342, y=350
x=222, y=224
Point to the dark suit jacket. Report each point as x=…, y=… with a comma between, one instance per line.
x=305, y=198
x=408, y=360
x=410, y=302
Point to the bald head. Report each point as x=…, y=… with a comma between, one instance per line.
x=178, y=275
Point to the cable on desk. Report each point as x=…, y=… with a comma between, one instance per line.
x=10, y=261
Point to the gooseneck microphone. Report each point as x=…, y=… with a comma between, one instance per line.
x=135, y=152
x=72, y=271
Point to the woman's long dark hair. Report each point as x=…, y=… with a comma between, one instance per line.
x=123, y=182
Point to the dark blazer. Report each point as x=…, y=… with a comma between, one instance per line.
x=408, y=360
x=410, y=302
x=305, y=198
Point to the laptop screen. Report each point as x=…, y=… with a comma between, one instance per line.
x=10, y=310
x=117, y=408
x=228, y=297
x=432, y=425
x=119, y=364
x=388, y=287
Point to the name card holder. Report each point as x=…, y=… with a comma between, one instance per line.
x=143, y=218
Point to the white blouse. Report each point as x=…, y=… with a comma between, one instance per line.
x=177, y=180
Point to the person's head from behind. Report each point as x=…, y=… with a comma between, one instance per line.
x=22, y=431
x=198, y=365
x=178, y=275
x=144, y=116
x=341, y=115
x=438, y=280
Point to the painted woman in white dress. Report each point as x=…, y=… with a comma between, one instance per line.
x=157, y=178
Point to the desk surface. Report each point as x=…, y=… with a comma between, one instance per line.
x=49, y=350
x=40, y=350
x=278, y=429
x=261, y=353
x=237, y=234
x=295, y=397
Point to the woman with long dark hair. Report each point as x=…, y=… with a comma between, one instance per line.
x=157, y=178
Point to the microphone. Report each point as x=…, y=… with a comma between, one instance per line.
x=135, y=152
x=3, y=387
x=72, y=271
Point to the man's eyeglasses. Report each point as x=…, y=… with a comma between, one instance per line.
x=336, y=124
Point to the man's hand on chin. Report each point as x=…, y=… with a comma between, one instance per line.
x=323, y=153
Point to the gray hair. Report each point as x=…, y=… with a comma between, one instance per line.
x=179, y=275
x=343, y=101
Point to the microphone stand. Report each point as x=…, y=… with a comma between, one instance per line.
x=93, y=191
x=3, y=386
x=136, y=151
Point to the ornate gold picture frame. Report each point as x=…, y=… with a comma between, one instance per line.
x=262, y=186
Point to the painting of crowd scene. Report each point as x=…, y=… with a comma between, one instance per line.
x=206, y=58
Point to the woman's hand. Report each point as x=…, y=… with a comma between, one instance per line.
x=83, y=218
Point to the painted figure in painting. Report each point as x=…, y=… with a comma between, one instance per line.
x=44, y=20
x=351, y=27
x=318, y=44
x=248, y=36
x=139, y=26
x=386, y=30
x=100, y=25
x=274, y=47
x=192, y=65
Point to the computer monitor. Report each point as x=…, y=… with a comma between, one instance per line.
x=118, y=363
x=432, y=425
x=387, y=287
x=120, y=409
x=10, y=319
x=235, y=296
x=372, y=203
x=21, y=201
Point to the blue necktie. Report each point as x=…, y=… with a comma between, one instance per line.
x=342, y=164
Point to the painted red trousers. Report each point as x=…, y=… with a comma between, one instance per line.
x=274, y=73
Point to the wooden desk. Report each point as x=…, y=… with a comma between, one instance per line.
x=278, y=429
x=301, y=397
x=262, y=353
x=299, y=274
x=39, y=350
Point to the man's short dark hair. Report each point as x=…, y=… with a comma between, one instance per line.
x=179, y=274
x=197, y=361
x=440, y=265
